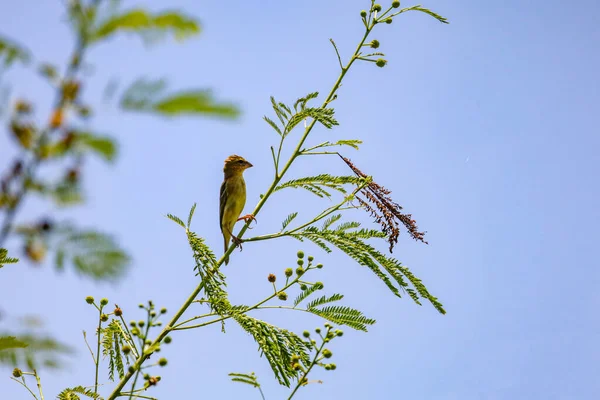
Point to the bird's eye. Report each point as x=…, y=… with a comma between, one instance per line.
x=240, y=161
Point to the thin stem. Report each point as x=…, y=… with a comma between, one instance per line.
x=338, y=54
x=169, y=327
x=39, y=384
x=88, y=346
x=139, y=369
x=319, y=153
x=129, y=336
x=97, y=361
x=312, y=364
x=261, y=393
x=194, y=318
x=24, y=385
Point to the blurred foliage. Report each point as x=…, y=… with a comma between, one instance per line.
x=32, y=350
x=11, y=52
x=149, y=96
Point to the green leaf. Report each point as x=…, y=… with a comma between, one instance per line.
x=113, y=339
x=149, y=97
x=249, y=379
x=5, y=259
x=189, y=221
x=277, y=345
x=344, y=316
x=316, y=184
x=11, y=342
x=324, y=300
x=72, y=394
x=11, y=52
x=175, y=219
x=92, y=253
x=40, y=351
x=351, y=143
x=305, y=293
x=426, y=11
x=141, y=22
x=287, y=220
x=103, y=146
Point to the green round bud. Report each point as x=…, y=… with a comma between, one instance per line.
x=103, y=317
x=296, y=367
x=303, y=287
x=318, y=330
x=289, y=272
x=132, y=323
x=163, y=310
x=17, y=373
x=157, y=350
x=141, y=323
x=339, y=332
x=126, y=349
x=363, y=13
x=135, y=331
x=103, y=301
x=377, y=7
x=310, y=258
x=374, y=43
x=330, y=335
x=327, y=367
x=140, y=305
x=282, y=296
x=153, y=314
x=380, y=62
x=162, y=362
x=326, y=340
x=395, y=4
x=89, y=300
x=295, y=358
x=148, y=342
x=131, y=370
x=300, y=261
x=327, y=325
x=299, y=271
x=388, y=21
x=332, y=366
x=319, y=266
x=313, y=342
x=319, y=285
x=146, y=377
x=327, y=353
x=168, y=340
x=300, y=254
x=306, y=334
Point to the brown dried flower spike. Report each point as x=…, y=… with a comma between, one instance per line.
x=386, y=212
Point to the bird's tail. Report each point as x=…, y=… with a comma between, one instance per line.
x=226, y=238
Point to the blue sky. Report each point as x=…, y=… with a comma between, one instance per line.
x=484, y=130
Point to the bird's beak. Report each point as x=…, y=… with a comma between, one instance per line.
x=249, y=165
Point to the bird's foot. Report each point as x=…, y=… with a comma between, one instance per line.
x=237, y=241
x=246, y=218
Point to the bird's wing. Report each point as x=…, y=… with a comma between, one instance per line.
x=223, y=200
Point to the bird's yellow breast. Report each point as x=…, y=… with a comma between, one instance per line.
x=236, y=199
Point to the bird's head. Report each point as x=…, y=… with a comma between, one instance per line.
x=235, y=164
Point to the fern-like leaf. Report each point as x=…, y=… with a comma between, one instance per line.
x=73, y=394
x=344, y=316
x=277, y=345
x=324, y=300
x=112, y=343
x=287, y=220
x=305, y=293
x=249, y=379
x=273, y=125
x=191, y=215
x=5, y=259
x=317, y=184
x=175, y=219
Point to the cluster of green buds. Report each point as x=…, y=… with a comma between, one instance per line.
x=370, y=19
x=141, y=328
x=301, y=268
x=322, y=353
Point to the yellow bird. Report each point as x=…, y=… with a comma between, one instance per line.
x=233, y=198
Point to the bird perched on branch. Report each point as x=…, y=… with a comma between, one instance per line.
x=233, y=199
